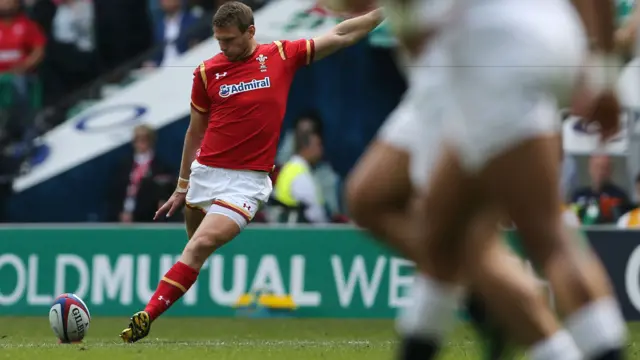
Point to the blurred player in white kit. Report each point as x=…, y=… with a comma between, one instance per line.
x=512, y=62
x=382, y=189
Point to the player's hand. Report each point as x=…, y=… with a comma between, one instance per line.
x=606, y=112
x=175, y=203
x=602, y=108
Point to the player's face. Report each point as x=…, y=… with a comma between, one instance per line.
x=234, y=44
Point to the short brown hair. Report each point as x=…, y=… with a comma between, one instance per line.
x=234, y=13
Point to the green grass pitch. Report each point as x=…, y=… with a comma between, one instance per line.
x=174, y=338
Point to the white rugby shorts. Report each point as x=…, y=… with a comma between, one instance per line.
x=416, y=124
x=512, y=63
x=236, y=194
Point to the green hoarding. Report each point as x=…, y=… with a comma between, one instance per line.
x=330, y=272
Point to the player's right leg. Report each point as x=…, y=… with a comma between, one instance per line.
x=214, y=231
x=141, y=321
x=230, y=205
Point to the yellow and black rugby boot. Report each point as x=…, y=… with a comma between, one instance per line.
x=138, y=327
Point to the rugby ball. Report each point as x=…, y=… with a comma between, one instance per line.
x=69, y=318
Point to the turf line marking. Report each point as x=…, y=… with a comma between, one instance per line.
x=220, y=343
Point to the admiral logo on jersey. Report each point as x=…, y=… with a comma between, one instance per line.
x=255, y=84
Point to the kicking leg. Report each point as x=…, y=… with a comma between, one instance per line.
x=214, y=231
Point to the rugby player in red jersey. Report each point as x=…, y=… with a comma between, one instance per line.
x=238, y=102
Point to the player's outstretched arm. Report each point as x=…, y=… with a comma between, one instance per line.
x=346, y=33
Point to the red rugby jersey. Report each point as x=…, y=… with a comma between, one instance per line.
x=246, y=102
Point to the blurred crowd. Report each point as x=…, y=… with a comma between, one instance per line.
x=51, y=50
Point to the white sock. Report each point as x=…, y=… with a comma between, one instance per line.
x=598, y=327
x=432, y=312
x=558, y=346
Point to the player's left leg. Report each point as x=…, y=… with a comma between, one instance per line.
x=231, y=207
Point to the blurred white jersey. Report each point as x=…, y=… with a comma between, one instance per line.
x=510, y=64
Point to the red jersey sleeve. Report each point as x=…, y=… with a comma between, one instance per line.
x=35, y=35
x=299, y=52
x=200, y=99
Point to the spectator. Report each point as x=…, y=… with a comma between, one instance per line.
x=21, y=51
x=632, y=218
x=602, y=202
x=71, y=60
x=323, y=173
x=307, y=122
x=174, y=32
x=141, y=182
x=296, y=187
